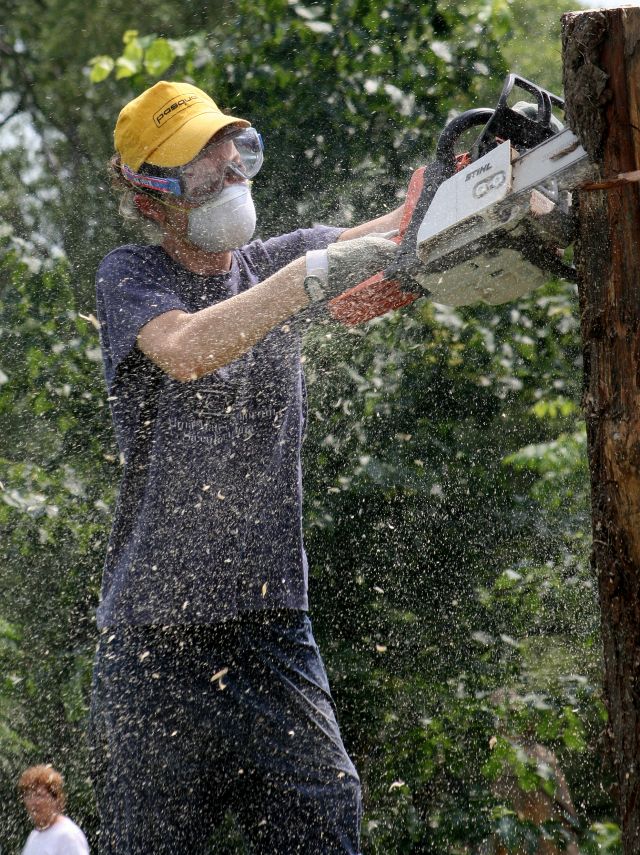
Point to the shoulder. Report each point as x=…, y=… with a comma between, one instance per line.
x=265, y=257
x=30, y=847
x=131, y=259
x=68, y=832
x=132, y=252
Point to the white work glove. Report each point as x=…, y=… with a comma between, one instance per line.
x=346, y=263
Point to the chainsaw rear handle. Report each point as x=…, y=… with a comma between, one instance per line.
x=378, y=295
x=394, y=288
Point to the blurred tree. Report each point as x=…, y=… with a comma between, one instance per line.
x=537, y=23
x=53, y=182
x=57, y=467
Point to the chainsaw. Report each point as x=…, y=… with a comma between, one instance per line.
x=487, y=225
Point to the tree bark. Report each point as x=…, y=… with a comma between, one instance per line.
x=601, y=51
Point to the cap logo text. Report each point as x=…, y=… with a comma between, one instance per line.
x=172, y=107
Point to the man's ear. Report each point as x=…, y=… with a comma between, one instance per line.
x=149, y=208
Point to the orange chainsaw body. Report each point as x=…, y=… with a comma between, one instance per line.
x=377, y=295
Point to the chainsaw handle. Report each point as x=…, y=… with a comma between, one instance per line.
x=507, y=124
x=456, y=127
x=543, y=97
x=378, y=295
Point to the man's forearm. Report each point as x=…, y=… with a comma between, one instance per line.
x=199, y=343
x=189, y=346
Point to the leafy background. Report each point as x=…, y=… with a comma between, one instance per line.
x=447, y=511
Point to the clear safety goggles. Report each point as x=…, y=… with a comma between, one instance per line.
x=230, y=159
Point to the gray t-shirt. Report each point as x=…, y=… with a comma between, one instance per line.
x=208, y=522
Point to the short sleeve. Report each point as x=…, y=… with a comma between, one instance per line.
x=134, y=284
x=71, y=840
x=75, y=844
x=280, y=251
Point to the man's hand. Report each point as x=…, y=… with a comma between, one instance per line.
x=351, y=261
x=346, y=263
x=376, y=296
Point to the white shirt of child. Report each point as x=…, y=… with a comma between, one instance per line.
x=62, y=838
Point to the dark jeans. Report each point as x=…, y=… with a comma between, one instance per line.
x=188, y=722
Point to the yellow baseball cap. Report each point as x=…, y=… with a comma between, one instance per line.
x=168, y=125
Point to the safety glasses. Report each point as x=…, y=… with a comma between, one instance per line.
x=232, y=158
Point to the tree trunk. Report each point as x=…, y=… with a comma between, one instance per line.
x=602, y=91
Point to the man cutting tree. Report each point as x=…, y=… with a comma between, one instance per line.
x=209, y=690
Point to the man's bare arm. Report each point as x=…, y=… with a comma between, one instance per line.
x=188, y=346
x=386, y=223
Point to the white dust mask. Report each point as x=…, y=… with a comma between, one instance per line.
x=226, y=222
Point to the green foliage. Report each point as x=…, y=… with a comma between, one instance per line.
x=339, y=76
x=447, y=517
x=538, y=21
x=468, y=608
x=602, y=837
x=57, y=474
x=57, y=131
